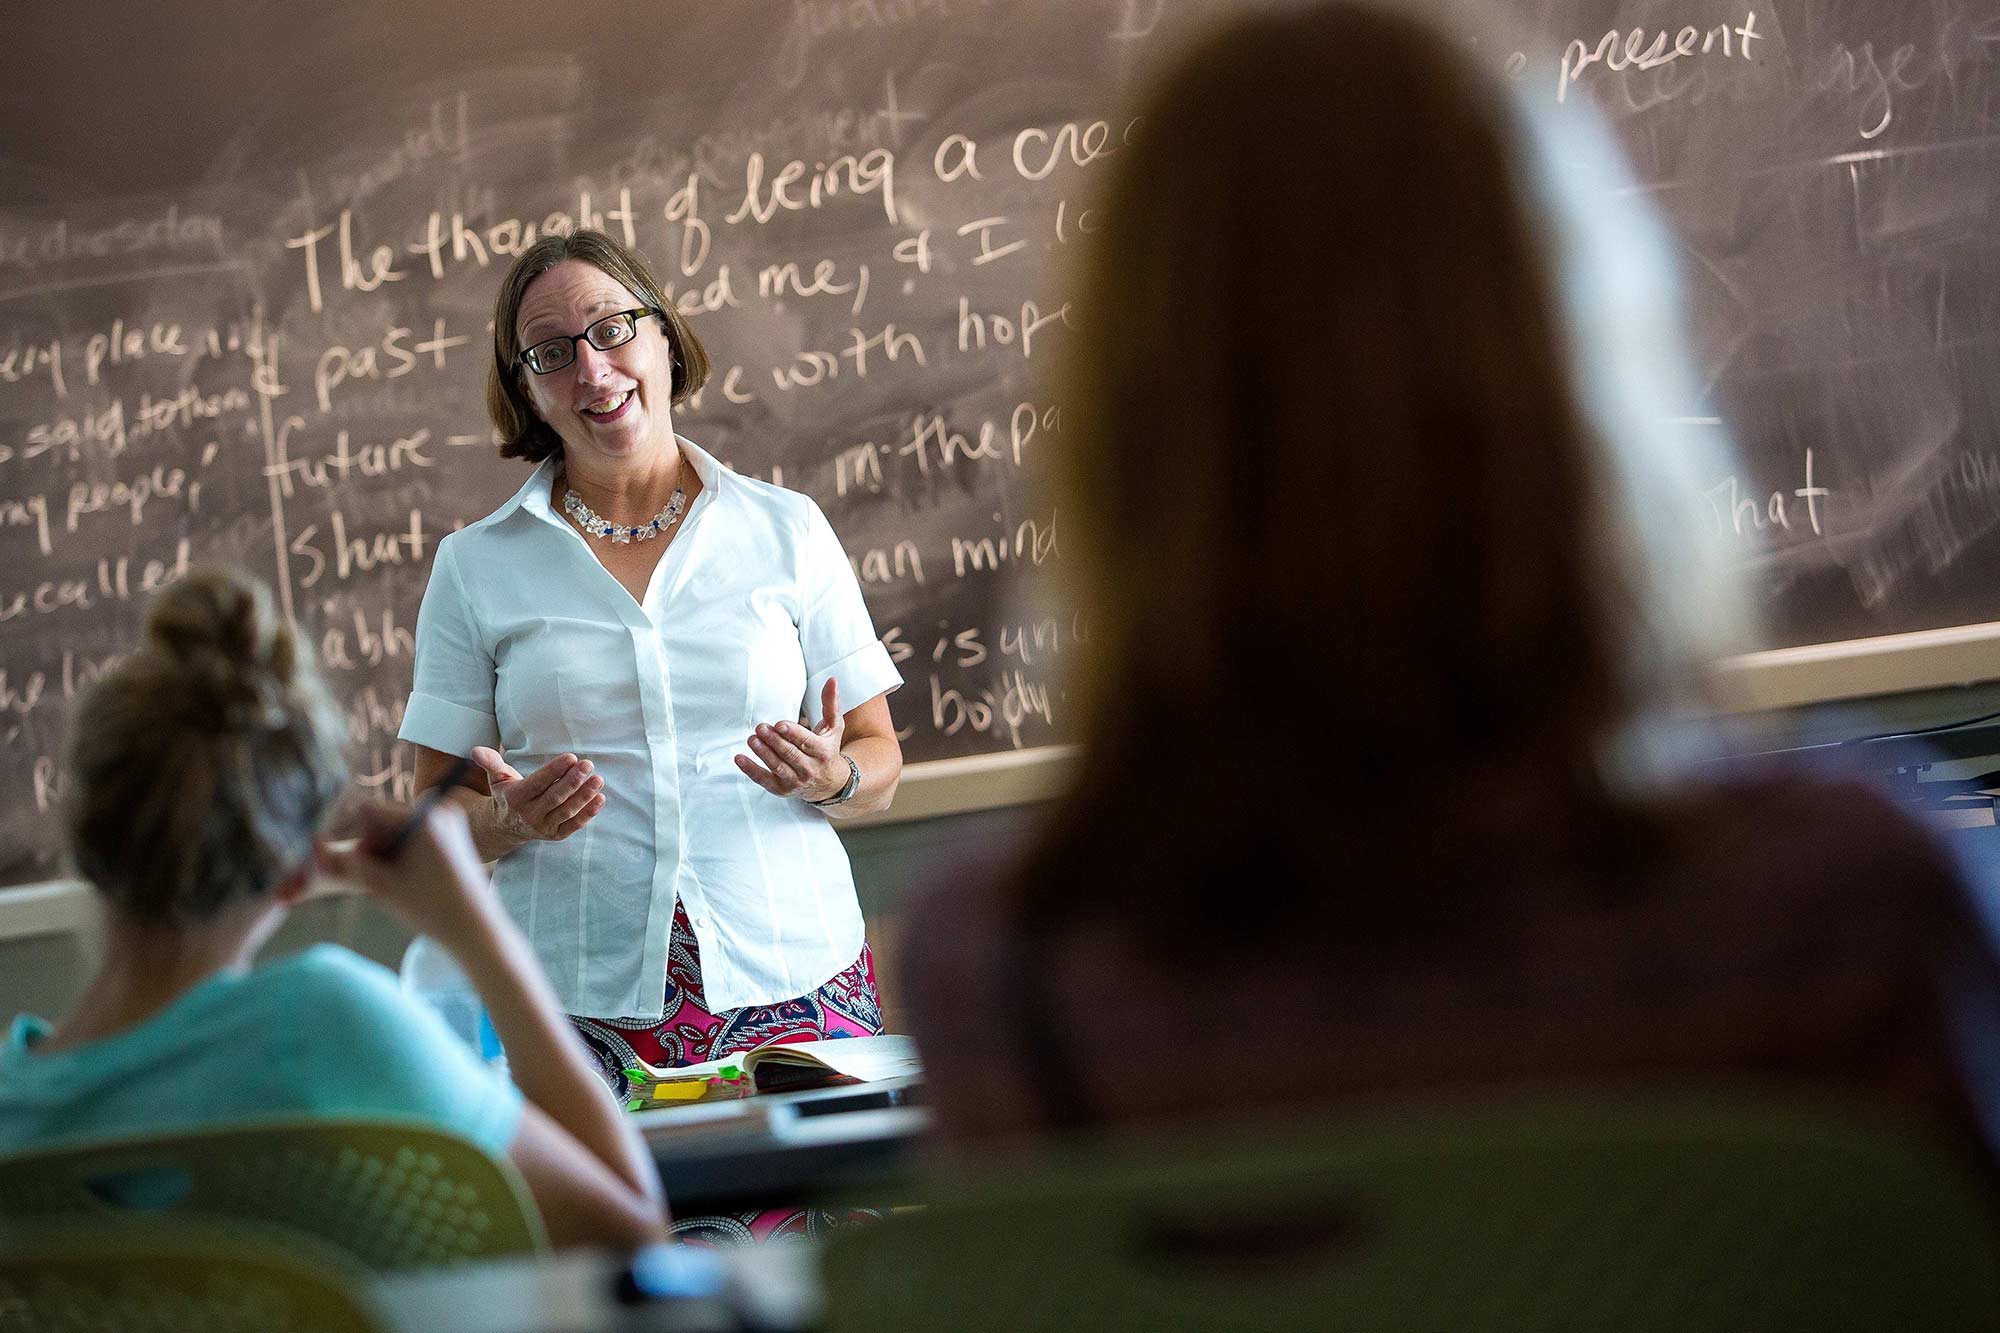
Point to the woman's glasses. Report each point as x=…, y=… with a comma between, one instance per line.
x=547, y=357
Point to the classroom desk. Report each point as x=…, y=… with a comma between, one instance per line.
x=771, y=1149
x=774, y=1149
x=771, y=1287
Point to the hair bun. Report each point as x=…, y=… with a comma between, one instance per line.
x=202, y=763
x=220, y=633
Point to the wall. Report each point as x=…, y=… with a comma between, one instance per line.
x=43, y=974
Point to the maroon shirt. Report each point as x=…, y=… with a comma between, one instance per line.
x=1790, y=930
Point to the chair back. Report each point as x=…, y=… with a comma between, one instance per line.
x=392, y=1195
x=179, y=1278
x=1697, y=1215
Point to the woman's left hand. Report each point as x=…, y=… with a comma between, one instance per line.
x=798, y=762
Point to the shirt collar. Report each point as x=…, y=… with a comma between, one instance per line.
x=534, y=495
x=25, y=1033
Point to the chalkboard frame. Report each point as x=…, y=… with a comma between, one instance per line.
x=1765, y=681
x=1852, y=669
x=934, y=789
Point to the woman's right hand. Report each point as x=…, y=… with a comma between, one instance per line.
x=548, y=804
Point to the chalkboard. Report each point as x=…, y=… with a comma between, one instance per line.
x=248, y=254
x=1830, y=169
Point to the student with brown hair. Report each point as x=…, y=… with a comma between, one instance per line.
x=1389, y=575
x=201, y=767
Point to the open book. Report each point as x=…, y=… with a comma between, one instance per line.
x=776, y=1068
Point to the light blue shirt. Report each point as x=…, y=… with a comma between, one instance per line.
x=322, y=1034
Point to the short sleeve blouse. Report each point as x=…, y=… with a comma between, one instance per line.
x=527, y=643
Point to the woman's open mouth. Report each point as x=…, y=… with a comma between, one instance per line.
x=611, y=408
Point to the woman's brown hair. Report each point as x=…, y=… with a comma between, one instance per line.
x=1330, y=502
x=202, y=764
x=522, y=433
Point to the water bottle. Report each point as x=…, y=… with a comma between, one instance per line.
x=431, y=974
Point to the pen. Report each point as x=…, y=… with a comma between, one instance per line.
x=389, y=847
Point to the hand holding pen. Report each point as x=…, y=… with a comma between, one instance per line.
x=389, y=844
x=420, y=862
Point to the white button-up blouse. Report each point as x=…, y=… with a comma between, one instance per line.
x=525, y=642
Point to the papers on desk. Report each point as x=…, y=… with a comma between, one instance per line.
x=820, y=1064
x=776, y=1068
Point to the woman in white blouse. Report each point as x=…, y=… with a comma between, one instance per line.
x=668, y=682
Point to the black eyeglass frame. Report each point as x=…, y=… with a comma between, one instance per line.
x=529, y=356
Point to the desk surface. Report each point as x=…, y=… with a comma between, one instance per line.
x=771, y=1287
x=778, y=1148
x=767, y=1149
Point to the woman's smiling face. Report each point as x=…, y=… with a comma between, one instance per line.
x=614, y=404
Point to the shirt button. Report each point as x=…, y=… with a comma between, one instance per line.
x=701, y=923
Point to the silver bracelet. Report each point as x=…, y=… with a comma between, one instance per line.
x=845, y=794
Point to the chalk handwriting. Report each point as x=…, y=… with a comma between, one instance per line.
x=444, y=136
x=827, y=131
x=795, y=188
x=389, y=778
x=370, y=643
x=79, y=672
x=22, y=699
x=814, y=20
x=956, y=156
x=1040, y=639
x=353, y=276
x=1004, y=708
x=1746, y=515
x=508, y=237
x=719, y=293
x=393, y=357
x=931, y=439
x=965, y=647
x=975, y=328
x=684, y=206
x=113, y=579
x=1083, y=224
x=1038, y=152
x=810, y=368
x=775, y=280
x=875, y=566
x=370, y=717
x=370, y=459
x=122, y=343
x=988, y=250
x=858, y=468
x=28, y=511
x=22, y=360
x=130, y=497
x=1632, y=49
x=357, y=555
x=107, y=432
x=1032, y=542
x=50, y=785
x=59, y=243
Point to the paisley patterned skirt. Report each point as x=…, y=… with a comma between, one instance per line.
x=688, y=1034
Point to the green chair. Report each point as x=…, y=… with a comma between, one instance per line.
x=1690, y=1215
x=152, y=1277
x=392, y=1195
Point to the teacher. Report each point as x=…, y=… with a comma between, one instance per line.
x=669, y=685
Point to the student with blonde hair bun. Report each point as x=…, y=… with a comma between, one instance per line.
x=1391, y=574
x=201, y=767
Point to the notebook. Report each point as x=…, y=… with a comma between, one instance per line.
x=777, y=1068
